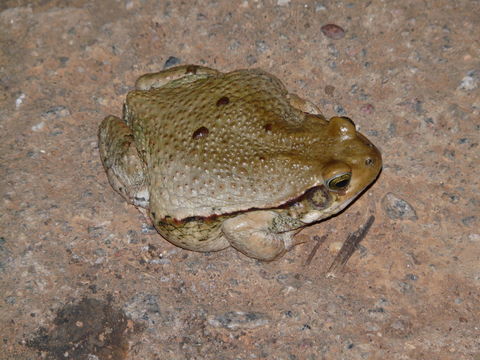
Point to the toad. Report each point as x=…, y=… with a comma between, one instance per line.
x=232, y=159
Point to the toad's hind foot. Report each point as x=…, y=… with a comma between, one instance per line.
x=125, y=170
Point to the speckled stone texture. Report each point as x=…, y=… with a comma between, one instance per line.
x=83, y=276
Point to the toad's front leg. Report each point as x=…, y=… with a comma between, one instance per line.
x=263, y=235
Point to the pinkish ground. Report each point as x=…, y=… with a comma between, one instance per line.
x=82, y=276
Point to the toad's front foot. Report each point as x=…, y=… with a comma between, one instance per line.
x=255, y=235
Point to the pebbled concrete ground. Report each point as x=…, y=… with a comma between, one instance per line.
x=83, y=277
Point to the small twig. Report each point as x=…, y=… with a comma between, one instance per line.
x=319, y=241
x=349, y=247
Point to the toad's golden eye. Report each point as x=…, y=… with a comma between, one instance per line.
x=339, y=182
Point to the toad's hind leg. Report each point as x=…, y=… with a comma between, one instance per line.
x=175, y=75
x=263, y=235
x=125, y=169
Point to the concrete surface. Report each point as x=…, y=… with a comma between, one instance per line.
x=83, y=277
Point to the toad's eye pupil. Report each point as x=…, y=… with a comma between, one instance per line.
x=339, y=182
x=342, y=184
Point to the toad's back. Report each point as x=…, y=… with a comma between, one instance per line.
x=225, y=143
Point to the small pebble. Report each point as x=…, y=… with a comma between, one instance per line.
x=329, y=90
x=340, y=110
x=398, y=325
x=63, y=60
x=235, y=320
x=251, y=59
x=453, y=198
x=19, y=100
x=398, y=209
x=100, y=252
x=38, y=127
x=171, y=61
x=148, y=229
x=474, y=237
x=56, y=112
x=332, y=50
x=469, y=82
x=234, y=45
x=333, y=31
x=367, y=109
x=469, y=220
x=129, y=5
x=261, y=46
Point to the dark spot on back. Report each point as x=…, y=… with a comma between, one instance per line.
x=267, y=127
x=191, y=69
x=201, y=132
x=223, y=101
